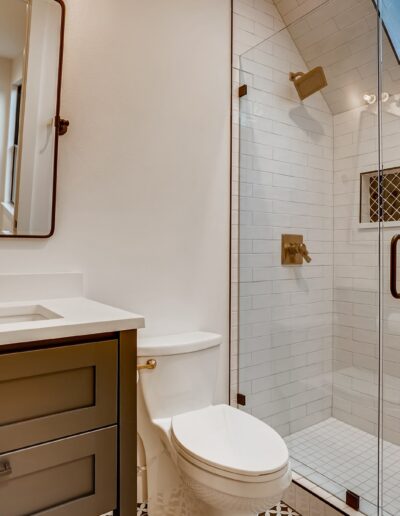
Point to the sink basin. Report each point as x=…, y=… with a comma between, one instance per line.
x=17, y=314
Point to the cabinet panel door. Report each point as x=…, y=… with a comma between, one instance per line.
x=52, y=393
x=69, y=477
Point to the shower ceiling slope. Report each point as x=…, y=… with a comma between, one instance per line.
x=340, y=36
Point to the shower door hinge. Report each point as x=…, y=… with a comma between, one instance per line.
x=242, y=90
x=352, y=500
x=241, y=399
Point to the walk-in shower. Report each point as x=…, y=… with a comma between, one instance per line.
x=319, y=341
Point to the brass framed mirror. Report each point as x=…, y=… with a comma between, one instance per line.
x=31, y=55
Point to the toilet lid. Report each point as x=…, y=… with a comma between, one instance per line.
x=230, y=439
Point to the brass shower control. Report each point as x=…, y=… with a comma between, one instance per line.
x=294, y=250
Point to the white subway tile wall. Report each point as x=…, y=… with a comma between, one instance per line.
x=253, y=22
x=356, y=366
x=286, y=162
x=341, y=37
x=355, y=385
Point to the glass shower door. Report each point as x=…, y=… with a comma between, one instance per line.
x=309, y=332
x=389, y=111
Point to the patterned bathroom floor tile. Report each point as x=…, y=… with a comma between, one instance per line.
x=280, y=510
x=141, y=509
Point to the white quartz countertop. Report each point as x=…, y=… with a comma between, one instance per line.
x=69, y=317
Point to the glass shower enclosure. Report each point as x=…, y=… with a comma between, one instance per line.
x=319, y=340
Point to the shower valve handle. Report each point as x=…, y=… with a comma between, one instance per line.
x=304, y=252
x=295, y=248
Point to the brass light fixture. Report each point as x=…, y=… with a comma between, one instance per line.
x=310, y=82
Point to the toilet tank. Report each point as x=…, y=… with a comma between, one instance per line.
x=186, y=372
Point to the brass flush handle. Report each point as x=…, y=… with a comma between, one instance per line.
x=150, y=364
x=61, y=125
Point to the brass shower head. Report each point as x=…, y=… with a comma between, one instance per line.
x=309, y=82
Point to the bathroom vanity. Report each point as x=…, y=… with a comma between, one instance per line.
x=68, y=407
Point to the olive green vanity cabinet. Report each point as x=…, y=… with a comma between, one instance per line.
x=67, y=427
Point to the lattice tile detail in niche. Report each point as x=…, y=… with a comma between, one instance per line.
x=280, y=510
x=369, y=201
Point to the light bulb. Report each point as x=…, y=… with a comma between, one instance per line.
x=369, y=98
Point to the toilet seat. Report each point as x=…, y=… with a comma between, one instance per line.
x=229, y=475
x=230, y=443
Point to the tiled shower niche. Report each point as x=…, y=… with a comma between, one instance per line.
x=369, y=196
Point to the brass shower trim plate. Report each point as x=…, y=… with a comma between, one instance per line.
x=288, y=256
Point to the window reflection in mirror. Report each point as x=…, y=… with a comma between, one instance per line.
x=30, y=33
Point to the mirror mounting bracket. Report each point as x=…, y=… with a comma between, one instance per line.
x=62, y=126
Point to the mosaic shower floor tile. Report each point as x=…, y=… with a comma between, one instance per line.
x=337, y=456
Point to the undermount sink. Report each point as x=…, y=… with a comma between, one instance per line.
x=17, y=314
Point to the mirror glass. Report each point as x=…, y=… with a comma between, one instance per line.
x=30, y=58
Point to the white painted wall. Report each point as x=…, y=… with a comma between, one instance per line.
x=5, y=77
x=143, y=196
x=17, y=69
x=5, y=91
x=12, y=27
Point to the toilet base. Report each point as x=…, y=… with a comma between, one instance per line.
x=221, y=498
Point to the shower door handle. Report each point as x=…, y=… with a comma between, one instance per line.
x=393, y=267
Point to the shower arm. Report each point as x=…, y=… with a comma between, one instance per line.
x=294, y=75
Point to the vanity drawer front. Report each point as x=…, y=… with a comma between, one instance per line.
x=51, y=393
x=72, y=476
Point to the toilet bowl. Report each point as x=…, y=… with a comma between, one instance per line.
x=202, y=459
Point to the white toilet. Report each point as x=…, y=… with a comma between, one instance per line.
x=202, y=459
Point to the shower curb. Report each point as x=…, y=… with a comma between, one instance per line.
x=324, y=496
